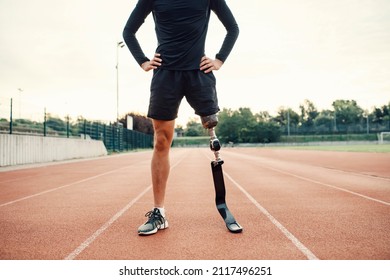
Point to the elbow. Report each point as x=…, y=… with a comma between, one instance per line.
x=126, y=33
x=236, y=30
x=233, y=30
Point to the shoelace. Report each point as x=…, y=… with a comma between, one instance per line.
x=155, y=218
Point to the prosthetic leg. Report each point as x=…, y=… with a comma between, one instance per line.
x=209, y=122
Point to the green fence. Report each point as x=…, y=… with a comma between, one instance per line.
x=115, y=137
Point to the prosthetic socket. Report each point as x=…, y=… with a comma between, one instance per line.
x=210, y=122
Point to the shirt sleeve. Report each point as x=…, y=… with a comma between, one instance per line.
x=136, y=19
x=221, y=9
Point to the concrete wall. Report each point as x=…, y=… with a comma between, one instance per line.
x=24, y=149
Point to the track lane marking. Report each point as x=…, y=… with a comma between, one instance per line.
x=299, y=245
x=104, y=227
x=313, y=181
x=328, y=185
x=304, y=250
x=40, y=165
x=27, y=166
x=64, y=186
x=113, y=219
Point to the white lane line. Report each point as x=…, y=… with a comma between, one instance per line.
x=328, y=185
x=313, y=181
x=103, y=228
x=4, y=169
x=113, y=219
x=62, y=187
x=309, y=255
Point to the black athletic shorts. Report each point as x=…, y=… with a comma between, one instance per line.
x=168, y=88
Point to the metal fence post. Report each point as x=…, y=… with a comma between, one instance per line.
x=10, y=120
x=44, y=122
x=85, y=129
x=97, y=131
x=67, y=126
x=113, y=137
x=104, y=135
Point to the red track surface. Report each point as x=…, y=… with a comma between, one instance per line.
x=292, y=205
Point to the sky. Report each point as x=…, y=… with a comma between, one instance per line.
x=62, y=56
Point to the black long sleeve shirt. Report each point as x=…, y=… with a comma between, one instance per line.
x=181, y=28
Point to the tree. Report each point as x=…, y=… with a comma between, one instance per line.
x=140, y=123
x=379, y=114
x=263, y=116
x=347, y=113
x=308, y=114
x=267, y=132
x=247, y=125
x=55, y=123
x=179, y=130
x=228, y=126
x=324, y=122
x=194, y=128
x=286, y=115
x=287, y=119
x=242, y=126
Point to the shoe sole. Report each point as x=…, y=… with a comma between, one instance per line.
x=163, y=226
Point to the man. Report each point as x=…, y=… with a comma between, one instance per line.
x=180, y=68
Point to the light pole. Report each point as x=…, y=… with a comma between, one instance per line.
x=20, y=102
x=118, y=46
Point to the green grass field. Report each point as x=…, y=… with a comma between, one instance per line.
x=364, y=148
x=347, y=147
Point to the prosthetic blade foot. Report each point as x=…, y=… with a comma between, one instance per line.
x=220, y=194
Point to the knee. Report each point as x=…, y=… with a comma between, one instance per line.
x=209, y=121
x=162, y=142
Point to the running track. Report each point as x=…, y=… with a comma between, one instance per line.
x=293, y=205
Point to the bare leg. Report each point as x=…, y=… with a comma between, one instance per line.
x=160, y=166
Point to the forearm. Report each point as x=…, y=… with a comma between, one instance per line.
x=136, y=19
x=226, y=17
x=134, y=47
